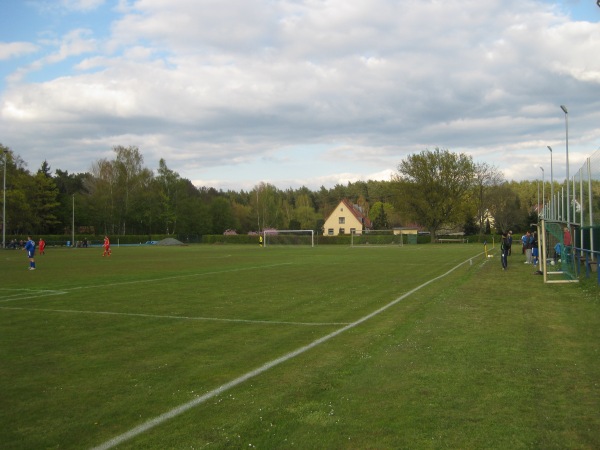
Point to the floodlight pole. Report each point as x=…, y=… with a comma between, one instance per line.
x=564, y=108
x=538, y=200
x=543, y=192
x=73, y=225
x=551, y=186
x=4, y=201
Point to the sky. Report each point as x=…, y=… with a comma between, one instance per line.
x=233, y=93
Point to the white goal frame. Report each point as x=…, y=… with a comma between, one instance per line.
x=268, y=233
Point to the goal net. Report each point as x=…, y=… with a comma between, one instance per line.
x=558, y=260
x=289, y=237
x=379, y=238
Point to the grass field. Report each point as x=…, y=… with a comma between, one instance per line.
x=424, y=346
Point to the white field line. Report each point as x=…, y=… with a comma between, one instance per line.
x=31, y=293
x=160, y=316
x=27, y=294
x=158, y=420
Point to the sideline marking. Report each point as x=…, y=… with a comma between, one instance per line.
x=158, y=420
x=161, y=316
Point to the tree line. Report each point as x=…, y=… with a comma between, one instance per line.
x=437, y=190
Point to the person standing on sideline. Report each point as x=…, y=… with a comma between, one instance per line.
x=106, y=245
x=535, y=251
x=30, y=249
x=509, y=240
x=260, y=240
x=567, y=242
x=567, y=237
x=528, y=241
x=504, y=248
x=557, y=252
x=41, y=246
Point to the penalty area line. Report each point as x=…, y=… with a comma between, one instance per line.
x=159, y=420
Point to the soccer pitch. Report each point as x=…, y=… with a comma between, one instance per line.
x=242, y=347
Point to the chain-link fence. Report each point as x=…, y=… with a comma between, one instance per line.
x=577, y=207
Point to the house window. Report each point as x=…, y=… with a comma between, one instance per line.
x=342, y=231
x=352, y=230
x=330, y=231
x=342, y=220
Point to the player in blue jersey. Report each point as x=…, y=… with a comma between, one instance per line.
x=30, y=249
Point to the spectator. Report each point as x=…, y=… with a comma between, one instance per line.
x=535, y=251
x=504, y=249
x=528, y=242
x=557, y=252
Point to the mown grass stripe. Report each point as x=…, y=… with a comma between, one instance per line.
x=161, y=316
x=140, y=429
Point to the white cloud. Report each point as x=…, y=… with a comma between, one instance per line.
x=74, y=43
x=208, y=85
x=10, y=50
x=81, y=5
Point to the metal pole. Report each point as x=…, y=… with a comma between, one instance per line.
x=4, y=201
x=543, y=192
x=551, y=186
x=538, y=201
x=73, y=225
x=561, y=204
x=589, y=174
x=564, y=108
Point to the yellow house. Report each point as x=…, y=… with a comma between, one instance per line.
x=345, y=219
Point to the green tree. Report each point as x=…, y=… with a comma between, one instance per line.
x=45, y=169
x=266, y=200
x=505, y=207
x=102, y=186
x=132, y=179
x=19, y=187
x=486, y=179
x=167, y=190
x=434, y=187
x=222, y=215
x=192, y=212
x=379, y=215
x=72, y=187
x=43, y=202
x=243, y=216
x=304, y=213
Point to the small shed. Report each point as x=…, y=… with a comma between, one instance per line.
x=410, y=232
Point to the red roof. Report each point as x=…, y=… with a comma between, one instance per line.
x=356, y=213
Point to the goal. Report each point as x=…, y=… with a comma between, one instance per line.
x=289, y=237
x=556, y=257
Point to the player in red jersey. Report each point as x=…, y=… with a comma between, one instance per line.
x=41, y=246
x=106, y=245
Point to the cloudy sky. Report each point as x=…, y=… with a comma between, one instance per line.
x=300, y=92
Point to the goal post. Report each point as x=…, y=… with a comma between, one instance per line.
x=289, y=237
